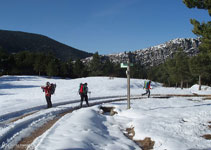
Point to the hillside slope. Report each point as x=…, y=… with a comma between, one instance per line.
x=15, y=41
x=156, y=55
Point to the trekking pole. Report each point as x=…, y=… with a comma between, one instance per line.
x=89, y=94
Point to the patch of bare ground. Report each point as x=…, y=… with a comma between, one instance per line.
x=145, y=144
x=26, y=142
x=207, y=136
x=23, y=116
x=207, y=98
x=109, y=110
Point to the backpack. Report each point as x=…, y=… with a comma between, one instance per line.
x=85, y=89
x=81, y=88
x=146, y=84
x=53, y=88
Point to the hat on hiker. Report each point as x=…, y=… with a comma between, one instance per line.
x=47, y=83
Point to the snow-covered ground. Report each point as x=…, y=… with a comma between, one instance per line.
x=176, y=123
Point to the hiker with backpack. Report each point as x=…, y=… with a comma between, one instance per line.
x=147, y=87
x=49, y=89
x=83, y=90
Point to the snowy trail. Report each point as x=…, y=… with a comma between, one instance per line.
x=13, y=132
x=7, y=118
x=23, y=112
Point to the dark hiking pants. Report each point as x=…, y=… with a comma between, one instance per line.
x=147, y=92
x=84, y=96
x=48, y=100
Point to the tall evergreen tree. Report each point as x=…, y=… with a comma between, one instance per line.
x=200, y=4
x=138, y=71
x=202, y=30
x=200, y=67
x=96, y=66
x=4, y=60
x=40, y=63
x=53, y=68
x=24, y=63
x=79, y=69
x=108, y=68
x=172, y=71
x=68, y=66
x=182, y=68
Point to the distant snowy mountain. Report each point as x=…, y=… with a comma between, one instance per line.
x=156, y=55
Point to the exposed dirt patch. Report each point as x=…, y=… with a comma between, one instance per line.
x=146, y=144
x=207, y=136
x=108, y=110
x=25, y=142
x=207, y=98
x=23, y=116
x=130, y=133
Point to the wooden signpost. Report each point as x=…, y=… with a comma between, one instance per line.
x=127, y=65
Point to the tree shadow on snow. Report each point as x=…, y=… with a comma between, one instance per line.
x=10, y=86
x=181, y=107
x=15, y=78
x=200, y=149
x=78, y=149
x=3, y=94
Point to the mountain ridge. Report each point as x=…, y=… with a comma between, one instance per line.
x=155, y=55
x=16, y=41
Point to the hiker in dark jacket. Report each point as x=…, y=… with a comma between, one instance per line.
x=47, y=90
x=83, y=90
x=147, y=87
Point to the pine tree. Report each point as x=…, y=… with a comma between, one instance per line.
x=70, y=68
x=53, y=68
x=200, y=4
x=172, y=71
x=201, y=65
x=24, y=63
x=182, y=68
x=64, y=70
x=40, y=63
x=108, y=68
x=79, y=69
x=138, y=71
x=96, y=66
x=4, y=60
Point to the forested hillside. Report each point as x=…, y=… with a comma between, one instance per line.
x=13, y=42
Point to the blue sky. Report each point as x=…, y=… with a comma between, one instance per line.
x=106, y=26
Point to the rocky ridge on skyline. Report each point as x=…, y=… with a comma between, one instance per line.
x=156, y=55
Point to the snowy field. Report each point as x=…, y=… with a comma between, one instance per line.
x=175, y=123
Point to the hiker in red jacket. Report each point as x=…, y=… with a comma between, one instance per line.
x=83, y=90
x=47, y=90
x=147, y=87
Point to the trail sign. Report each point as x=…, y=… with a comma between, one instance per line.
x=127, y=65
x=124, y=65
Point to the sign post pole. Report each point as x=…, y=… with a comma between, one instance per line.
x=128, y=85
x=127, y=65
